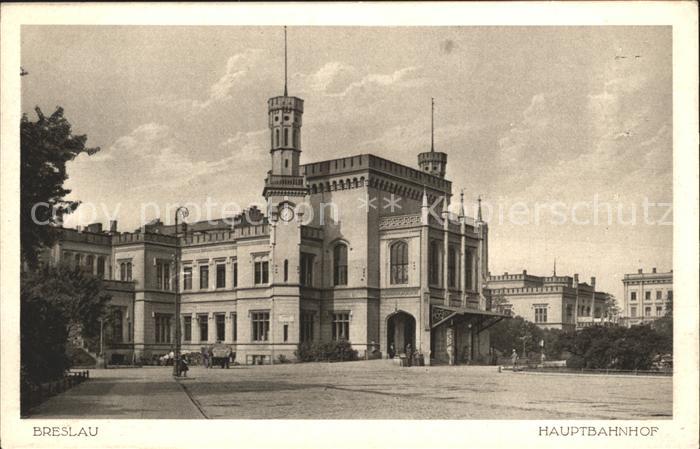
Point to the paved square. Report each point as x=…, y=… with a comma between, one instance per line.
x=357, y=390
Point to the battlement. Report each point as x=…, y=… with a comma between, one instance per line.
x=285, y=104
x=375, y=163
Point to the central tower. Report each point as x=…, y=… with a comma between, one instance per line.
x=284, y=119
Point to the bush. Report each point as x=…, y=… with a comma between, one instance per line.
x=336, y=351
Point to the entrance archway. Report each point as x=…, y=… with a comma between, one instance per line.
x=400, y=331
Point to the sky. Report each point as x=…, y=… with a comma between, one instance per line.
x=547, y=124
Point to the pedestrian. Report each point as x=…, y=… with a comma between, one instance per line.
x=514, y=359
x=210, y=356
x=184, y=366
x=392, y=351
x=409, y=354
x=205, y=357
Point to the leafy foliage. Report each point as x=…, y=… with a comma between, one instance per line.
x=45, y=147
x=335, y=351
x=507, y=334
x=614, y=347
x=55, y=302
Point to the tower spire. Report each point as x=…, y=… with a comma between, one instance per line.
x=432, y=125
x=285, y=60
x=461, y=203
x=479, y=212
x=555, y=268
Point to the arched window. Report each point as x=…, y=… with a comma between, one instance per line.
x=286, y=137
x=286, y=163
x=340, y=264
x=286, y=270
x=295, y=138
x=277, y=137
x=89, y=263
x=435, y=263
x=399, y=263
x=122, y=271
x=128, y=271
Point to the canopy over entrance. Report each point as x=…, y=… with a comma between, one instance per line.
x=480, y=319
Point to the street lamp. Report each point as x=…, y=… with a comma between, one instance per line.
x=180, y=211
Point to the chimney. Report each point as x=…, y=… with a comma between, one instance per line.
x=95, y=228
x=113, y=226
x=524, y=272
x=653, y=270
x=593, y=282
x=79, y=228
x=576, y=280
x=639, y=271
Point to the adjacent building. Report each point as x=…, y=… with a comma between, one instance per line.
x=646, y=296
x=358, y=248
x=552, y=302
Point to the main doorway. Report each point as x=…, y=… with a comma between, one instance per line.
x=401, y=331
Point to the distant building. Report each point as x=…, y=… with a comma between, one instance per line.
x=551, y=302
x=646, y=296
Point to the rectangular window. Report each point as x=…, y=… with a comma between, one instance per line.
x=540, y=313
x=341, y=326
x=117, y=325
x=633, y=312
x=659, y=310
x=220, y=326
x=307, y=326
x=204, y=277
x=261, y=272
x=434, y=263
x=163, y=275
x=633, y=296
x=669, y=295
x=187, y=276
x=468, y=270
x=101, y=267
x=203, y=328
x=235, y=274
x=220, y=276
x=306, y=274
x=658, y=294
x=162, y=327
x=187, y=331
x=451, y=267
x=647, y=311
x=647, y=296
x=285, y=332
x=261, y=325
x=234, y=324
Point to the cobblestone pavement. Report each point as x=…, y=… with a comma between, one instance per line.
x=356, y=390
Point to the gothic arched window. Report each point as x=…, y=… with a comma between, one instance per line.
x=340, y=264
x=399, y=263
x=277, y=137
x=286, y=137
x=295, y=138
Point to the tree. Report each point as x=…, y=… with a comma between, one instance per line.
x=56, y=301
x=612, y=308
x=45, y=147
x=508, y=334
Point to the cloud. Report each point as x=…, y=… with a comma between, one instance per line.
x=248, y=146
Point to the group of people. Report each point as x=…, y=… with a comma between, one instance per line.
x=411, y=355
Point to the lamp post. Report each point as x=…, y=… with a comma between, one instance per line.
x=182, y=210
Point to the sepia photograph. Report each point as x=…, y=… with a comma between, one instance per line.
x=372, y=223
